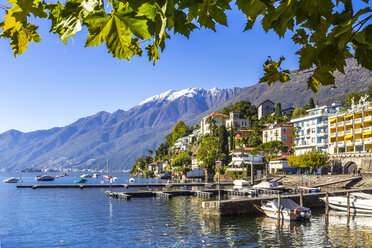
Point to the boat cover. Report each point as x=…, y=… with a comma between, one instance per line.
x=288, y=204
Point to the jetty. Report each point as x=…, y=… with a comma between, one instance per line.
x=130, y=185
x=248, y=206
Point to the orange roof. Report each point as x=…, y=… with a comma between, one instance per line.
x=244, y=149
x=218, y=114
x=280, y=158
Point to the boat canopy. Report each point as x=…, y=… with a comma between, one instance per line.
x=288, y=204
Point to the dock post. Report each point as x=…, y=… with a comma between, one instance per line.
x=348, y=203
x=252, y=174
x=301, y=199
x=279, y=207
x=327, y=205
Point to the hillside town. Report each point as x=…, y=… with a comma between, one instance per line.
x=312, y=139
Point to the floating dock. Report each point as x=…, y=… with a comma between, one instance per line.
x=247, y=206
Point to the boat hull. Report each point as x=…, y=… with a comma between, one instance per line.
x=286, y=215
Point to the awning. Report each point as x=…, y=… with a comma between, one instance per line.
x=351, y=115
x=348, y=136
x=332, y=120
x=367, y=133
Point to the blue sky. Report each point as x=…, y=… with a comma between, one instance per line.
x=54, y=85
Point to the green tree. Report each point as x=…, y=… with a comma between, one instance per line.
x=351, y=96
x=324, y=30
x=208, y=151
x=311, y=103
x=298, y=112
x=278, y=111
x=179, y=130
x=296, y=161
x=181, y=161
x=245, y=108
x=211, y=121
x=270, y=150
x=315, y=159
x=223, y=144
x=369, y=92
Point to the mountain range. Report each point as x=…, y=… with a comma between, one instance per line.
x=122, y=136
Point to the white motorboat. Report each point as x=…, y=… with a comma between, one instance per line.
x=241, y=183
x=359, y=202
x=114, y=179
x=131, y=180
x=289, y=210
x=86, y=176
x=11, y=180
x=44, y=178
x=268, y=185
x=95, y=176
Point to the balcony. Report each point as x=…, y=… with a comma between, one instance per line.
x=358, y=141
x=342, y=133
x=359, y=130
x=332, y=143
x=349, y=143
x=349, y=132
x=332, y=135
x=366, y=129
x=358, y=120
x=367, y=118
x=368, y=141
x=341, y=143
x=320, y=134
x=349, y=122
x=333, y=125
x=341, y=123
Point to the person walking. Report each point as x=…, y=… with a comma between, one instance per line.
x=359, y=172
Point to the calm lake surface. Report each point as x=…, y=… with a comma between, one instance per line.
x=88, y=218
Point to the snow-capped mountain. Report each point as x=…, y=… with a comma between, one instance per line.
x=123, y=135
x=172, y=95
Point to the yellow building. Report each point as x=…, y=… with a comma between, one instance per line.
x=350, y=131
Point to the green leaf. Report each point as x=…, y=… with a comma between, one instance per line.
x=117, y=30
x=308, y=56
x=320, y=76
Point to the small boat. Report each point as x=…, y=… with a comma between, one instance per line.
x=131, y=180
x=44, y=178
x=241, y=183
x=268, y=185
x=80, y=180
x=359, y=202
x=95, y=176
x=11, y=180
x=107, y=177
x=86, y=176
x=114, y=179
x=310, y=189
x=289, y=210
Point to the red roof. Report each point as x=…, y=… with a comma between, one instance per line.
x=218, y=114
x=244, y=149
x=280, y=158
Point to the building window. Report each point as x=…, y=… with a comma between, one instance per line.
x=312, y=140
x=284, y=130
x=284, y=137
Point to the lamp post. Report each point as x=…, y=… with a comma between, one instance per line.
x=218, y=165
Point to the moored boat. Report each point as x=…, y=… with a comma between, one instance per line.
x=44, y=178
x=310, y=189
x=80, y=180
x=95, y=176
x=359, y=202
x=11, y=180
x=241, y=183
x=268, y=185
x=289, y=210
x=86, y=176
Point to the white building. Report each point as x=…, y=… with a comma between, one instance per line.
x=236, y=122
x=219, y=118
x=312, y=129
x=241, y=158
x=182, y=143
x=280, y=164
x=266, y=107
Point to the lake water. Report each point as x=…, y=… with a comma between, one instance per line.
x=88, y=218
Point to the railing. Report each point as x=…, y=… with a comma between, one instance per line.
x=349, y=131
x=368, y=118
x=341, y=133
x=333, y=125
x=358, y=141
x=322, y=134
x=341, y=143
x=341, y=123
x=349, y=122
x=368, y=140
x=366, y=129
x=359, y=130
x=358, y=120
x=349, y=142
x=332, y=135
